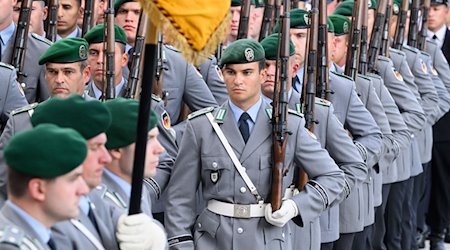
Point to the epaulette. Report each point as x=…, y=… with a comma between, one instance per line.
x=425, y=53
x=375, y=76
x=396, y=51
x=383, y=58
x=409, y=48
x=12, y=235
x=102, y=189
x=294, y=112
x=200, y=112
x=5, y=65
x=172, y=48
x=342, y=75
x=156, y=98
x=363, y=77
x=322, y=102
x=42, y=39
x=432, y=41
x=24, y=108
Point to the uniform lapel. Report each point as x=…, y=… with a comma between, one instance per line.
x=260, y=132
x=231, y=131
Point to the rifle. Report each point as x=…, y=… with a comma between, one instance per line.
x=267, y=23
x=219, y=51
x=52, y=17
x=243, y=20
x=423, y=32
x=20, y=41
x=384, y=50
x=109, y=88
x=88, y=21
x=322, y=55
x=414, y=24
x=362, y=69
x=401, y=23
x=136, y=64
x=280, y=110
x=375, y=39
x=276, y=14
x=351, y=63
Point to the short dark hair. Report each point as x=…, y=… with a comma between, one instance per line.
x=18, y=182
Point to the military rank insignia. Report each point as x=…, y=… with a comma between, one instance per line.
x=215, y=175
x=398, y=75
x=165, y=120
x=424, y=67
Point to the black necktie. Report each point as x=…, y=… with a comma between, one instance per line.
x=51, y=244
x=92, y=218
x=243, y=126
x=434, y=37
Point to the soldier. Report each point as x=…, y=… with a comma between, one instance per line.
x=121, y=146
x=355, y=118
x=437, y=27
x=37, y=17
x=331, y=135
x=35, y=86
x=96, y=37
x=203, y=159
x=66, y=73
x=45, y=185
x=68, y=13
x=235, y=19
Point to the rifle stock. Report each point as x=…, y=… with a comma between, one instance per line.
x=52, y=17
x=423, y=32
x=375, y=39
x=88, y=21
x=401, y=24
x=110, y=90
x=243, y=20
x=351, y=63
x=280, y=110
x=20, y=41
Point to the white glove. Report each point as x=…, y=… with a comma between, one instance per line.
x=279, y=218
x=139, y=231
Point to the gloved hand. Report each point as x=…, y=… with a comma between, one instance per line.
x=279, y=218
x=139, y=231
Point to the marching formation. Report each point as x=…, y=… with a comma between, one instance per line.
x=315, y=125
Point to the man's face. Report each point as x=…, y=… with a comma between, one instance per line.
x=370, y=22
x=235, y=16
x=255, y=21
x=299, y=38
x=99, y=13
x=65, y=79
x=6, y=7
x=96, y=61
x=37, y=17
x=153, y=151
x=68, y=13
x=96, y=158
x=62, y=195
x=243, y=83
x=436, y=17
x=268, y=86
x=128, y=18
x=340, y=52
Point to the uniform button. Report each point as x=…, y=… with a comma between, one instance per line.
x=23, y=85
x=214, y=164
x=242, y=189
x=240, y=230
x=282, y=235
x=200, y=225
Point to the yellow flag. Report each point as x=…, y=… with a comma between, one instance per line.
x=195, y=27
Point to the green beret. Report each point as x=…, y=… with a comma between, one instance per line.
x=239, y=2
x=330, y=25
x=46, y=151
x=97, y=34
x=299, y=20
x=373, y=4
x=341, y=24
x=124, y=113
x=89, y=118
x=270, y=45
x=344, y=9
x=119, y=3
x=66, y=50
x=396, y=7
x=242, y=51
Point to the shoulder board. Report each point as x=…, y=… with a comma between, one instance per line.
x=431, y=41
x=172, y=48
x=42, y=39
x=5, y=65
x=12, y=235
x=24, y=108
x=409, y=48
x=102, y=189
x=383, y=58
x=373, y=76
x=424, y=53
x=342, y=75
x=363, y=77
x=323, y=102
x=156, y=98
x=294, y=112
x=396, y=51
x=200, y=112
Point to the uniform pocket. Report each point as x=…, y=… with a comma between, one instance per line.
x=217, y=175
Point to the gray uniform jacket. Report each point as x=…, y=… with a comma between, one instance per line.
x=202, y=158
x=35, y=88
x=183, y=83
x=212, y=75
x=401, y=138
x=90, y=90
x=11, y=97
x=351, y=112
x=18, y=234
x=333, y=137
